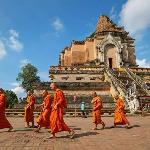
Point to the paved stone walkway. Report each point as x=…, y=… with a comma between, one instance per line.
x=136, y=138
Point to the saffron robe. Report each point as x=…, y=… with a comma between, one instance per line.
x=120, y=118
x=29, y=109
x=57, y=123
x=97, y=106
x=4, y=123
x=44, y=118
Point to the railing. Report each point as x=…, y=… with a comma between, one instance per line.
x=120, y=88
x=138, y=80
x=130, y=97
x=68, y=113
x=118, y=84
x=140, y=70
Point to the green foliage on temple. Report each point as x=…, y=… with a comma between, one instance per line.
x=92, y=35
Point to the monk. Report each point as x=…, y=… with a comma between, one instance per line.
x=97, y=106
x=120, y=118
x=29, y=109
x=57, y=123
x=44, y=118
x=4, y=123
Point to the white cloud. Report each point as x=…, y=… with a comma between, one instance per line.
x=14, y=84
x=135, y=16
x=57, y=24
x=2, y=50
x=24, y=62
x=143, y=63
x=113, y=13
x=44, y=76
x=14, y=43
x=14, y=33
x=18, y=90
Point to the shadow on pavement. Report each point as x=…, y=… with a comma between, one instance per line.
x=119, y=126
x=23, y=129
x=76, y=128
x=135, y=126
x=79, y=135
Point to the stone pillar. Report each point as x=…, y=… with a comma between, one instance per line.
x=62, y=59
x=102, y=57
x=101, y=54
x=119, y=57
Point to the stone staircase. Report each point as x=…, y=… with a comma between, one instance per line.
x=127, y=84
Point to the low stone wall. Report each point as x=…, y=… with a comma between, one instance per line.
x=70, y=112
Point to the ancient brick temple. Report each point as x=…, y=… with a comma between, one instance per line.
x=102, y=62
x=81, y=65
x=109, y=44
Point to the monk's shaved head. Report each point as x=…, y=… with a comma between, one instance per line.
x=116, y=97
x=94, y=94
x=53, y=86
x=1, y=90
x=30, y=92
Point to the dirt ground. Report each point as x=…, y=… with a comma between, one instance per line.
x=136, y=138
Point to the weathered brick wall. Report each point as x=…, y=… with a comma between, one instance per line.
x=89, y=45
x=78, y=78
x=67, y=57
x=78, y=53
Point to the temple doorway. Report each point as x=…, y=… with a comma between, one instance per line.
x=110, y=56
x=110, y=62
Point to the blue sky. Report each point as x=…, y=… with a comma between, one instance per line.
x=36, y=31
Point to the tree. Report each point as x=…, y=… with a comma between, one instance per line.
x=12, y=99
x=28, y=77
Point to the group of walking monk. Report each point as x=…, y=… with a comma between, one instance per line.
x=119, y=115
x=51, y=116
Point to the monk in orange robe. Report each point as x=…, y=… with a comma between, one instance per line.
x=29, y=109
x=57, y=123
x=97, y=106
x=120, y=118
x=4, y=123
x=44, y=118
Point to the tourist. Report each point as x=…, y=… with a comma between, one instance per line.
x=44, y=118
x=97, y=106
x=82, y=107
x=29, y=109
x=120, y=118
x=4, y=123
x=57, y=123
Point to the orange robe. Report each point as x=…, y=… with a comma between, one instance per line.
x=120, y=118
x=57, y=123
x=29, y=109
x=44, y=118
x=4, y=123
x=97, y=106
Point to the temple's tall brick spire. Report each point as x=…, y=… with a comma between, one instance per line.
x=105, y=24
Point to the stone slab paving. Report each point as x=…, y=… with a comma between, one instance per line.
x=136, y=138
